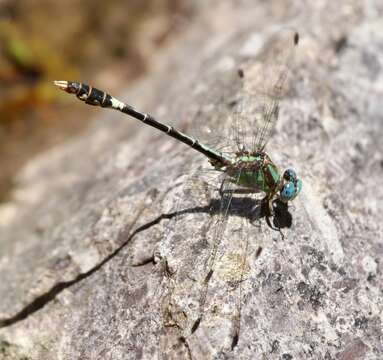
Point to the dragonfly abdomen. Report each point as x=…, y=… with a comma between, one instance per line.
x=96, y=97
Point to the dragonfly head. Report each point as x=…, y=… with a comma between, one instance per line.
x=291, y=186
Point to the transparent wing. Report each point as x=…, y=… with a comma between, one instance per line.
x=208, y=119
x=265, y=83
x=207, y=248
x=186, y=247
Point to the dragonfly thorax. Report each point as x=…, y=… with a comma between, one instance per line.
x=253, y=170
x=256, y=171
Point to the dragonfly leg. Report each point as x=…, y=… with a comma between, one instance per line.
x=267, y=206
x=221, y=190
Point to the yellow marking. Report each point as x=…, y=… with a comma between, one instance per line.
x=89, y=92
x=79, y=89
x=104, y=98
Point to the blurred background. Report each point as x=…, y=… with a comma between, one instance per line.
x=100, y=42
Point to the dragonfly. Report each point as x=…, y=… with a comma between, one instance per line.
x=244, y=165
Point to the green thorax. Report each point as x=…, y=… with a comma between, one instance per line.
x=254, y=171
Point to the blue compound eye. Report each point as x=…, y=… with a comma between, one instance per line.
x=290, y=175
x=288, y=192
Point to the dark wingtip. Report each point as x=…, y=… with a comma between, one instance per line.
x=195, y=325
x=259, y=251
x=296, y=38
x=234, y=342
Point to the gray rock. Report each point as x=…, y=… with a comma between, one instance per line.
x=103, y=251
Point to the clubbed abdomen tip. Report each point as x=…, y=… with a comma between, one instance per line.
x=296, y=38
x=71, y=87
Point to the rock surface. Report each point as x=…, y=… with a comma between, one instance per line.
x=84, y=241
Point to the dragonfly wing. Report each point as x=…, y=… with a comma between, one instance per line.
x=265, y=83
x=192, y=247
x=208, y=246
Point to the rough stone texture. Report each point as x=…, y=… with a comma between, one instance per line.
x=82, y=240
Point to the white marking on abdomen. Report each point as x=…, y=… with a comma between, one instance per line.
x=117, y=104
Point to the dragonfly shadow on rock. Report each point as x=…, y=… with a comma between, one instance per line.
x=282, y=217
x=248, y=208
